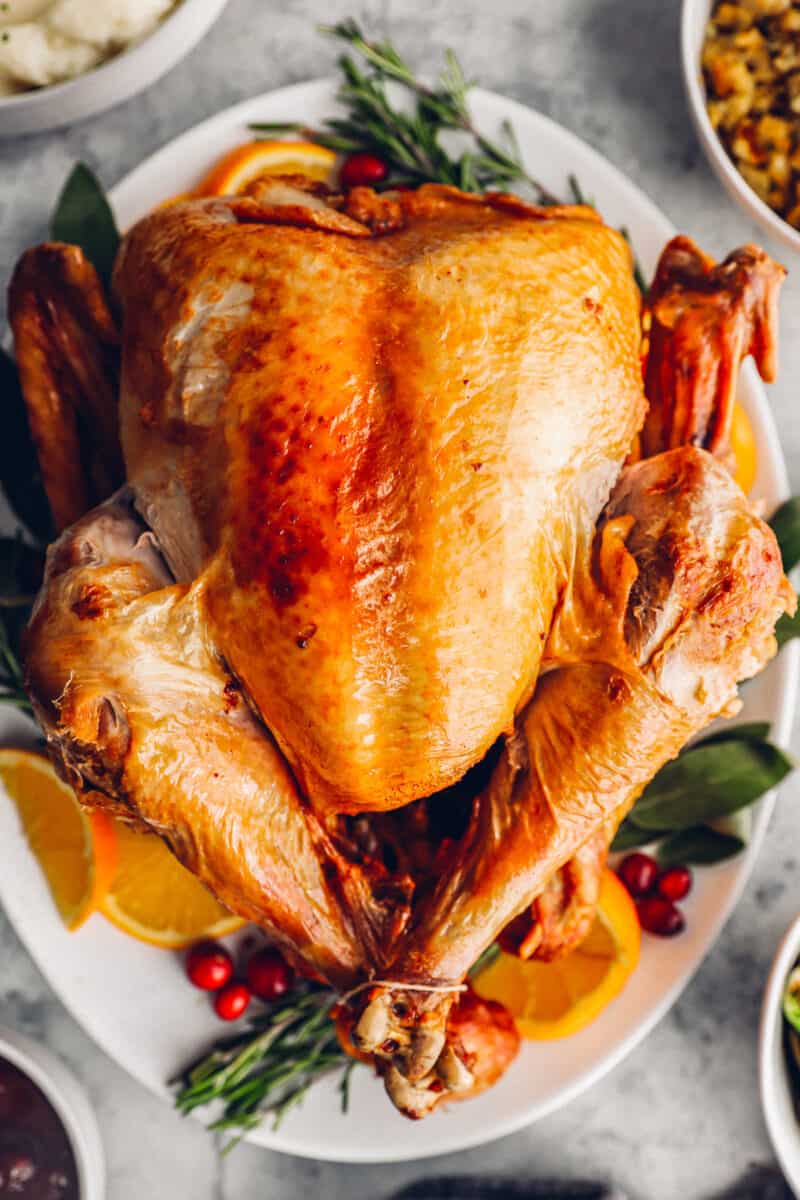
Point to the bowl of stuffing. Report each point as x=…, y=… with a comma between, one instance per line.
x=62, y=60
x=741, y=65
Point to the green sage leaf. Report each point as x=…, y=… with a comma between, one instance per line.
x=710, y=781
x=787, y=628
x=83, y=217
x=748, y=731
x=629, y=836
x=786, y=525
x=20, y=477
x=700, y=845
x=739, y=824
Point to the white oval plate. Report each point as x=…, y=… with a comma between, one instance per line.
x=135, y=1001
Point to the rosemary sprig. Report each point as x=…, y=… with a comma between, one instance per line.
x=12, y=690
x=409, y=142
x=21, y=569
x=484, y=960
x=268, y=1068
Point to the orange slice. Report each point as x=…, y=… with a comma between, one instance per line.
x=153, y=898
x=555, y=1000
x=244, y=165
x=743, y=444
x=76, y=848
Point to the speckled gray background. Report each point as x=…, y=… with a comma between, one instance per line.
x=680, y=1118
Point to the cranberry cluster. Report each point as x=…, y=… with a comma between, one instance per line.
x=656, y=892
x=210, y=968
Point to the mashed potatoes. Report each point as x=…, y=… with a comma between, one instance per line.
x=47, y=41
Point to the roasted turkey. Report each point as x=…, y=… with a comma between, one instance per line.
x=405, y=590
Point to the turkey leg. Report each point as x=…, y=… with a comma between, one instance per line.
x=145, y=719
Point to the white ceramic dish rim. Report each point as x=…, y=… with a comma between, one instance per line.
x=134, y=57
x=70, y=1103
x=776, y=1101
x=695, y=14
x=133, y=196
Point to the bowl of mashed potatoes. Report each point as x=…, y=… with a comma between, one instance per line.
x=62, y=60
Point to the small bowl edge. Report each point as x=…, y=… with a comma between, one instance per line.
x=70, y=1102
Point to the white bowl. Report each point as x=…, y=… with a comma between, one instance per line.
x=693, y=23
x=70, y=1103
x=116, y=80
x=776, y=1096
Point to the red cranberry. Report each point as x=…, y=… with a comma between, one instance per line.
x=231, y=1002
x=674, y=883
x=268, y=974
x=362, y=170
x=660, y=916
x=209, y=966
x=638, y=872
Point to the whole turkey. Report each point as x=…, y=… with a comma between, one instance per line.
x=404, y=592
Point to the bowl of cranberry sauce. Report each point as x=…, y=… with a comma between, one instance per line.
x=50, y=1146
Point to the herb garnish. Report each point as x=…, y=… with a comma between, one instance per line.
x=83, y=217
x=706, y=782
x=21, y=561
x=409, y=142
x=12, y=689
x=268, y=1068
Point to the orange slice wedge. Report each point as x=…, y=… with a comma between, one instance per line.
x=555, y=1000
x=743, y=444
x=76, y=847
x=245, y=164
x=153, y=898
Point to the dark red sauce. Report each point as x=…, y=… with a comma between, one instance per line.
x=36, y=1159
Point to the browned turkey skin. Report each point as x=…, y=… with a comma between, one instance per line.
x=382, y=636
